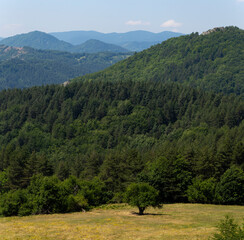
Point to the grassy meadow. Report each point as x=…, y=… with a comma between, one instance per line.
x=120, y=221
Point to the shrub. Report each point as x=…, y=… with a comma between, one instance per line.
x=229, y=230
x=77, y=203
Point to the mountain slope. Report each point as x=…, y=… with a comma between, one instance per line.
x=94, y=46
x=117, y=130
x=38, y=40
x=212, y=62
x=22, y=67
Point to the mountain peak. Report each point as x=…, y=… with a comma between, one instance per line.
x=38, y=40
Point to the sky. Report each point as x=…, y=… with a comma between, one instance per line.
x=185, y=16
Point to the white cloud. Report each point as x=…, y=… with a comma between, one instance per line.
x=171, y=24
x=240, y=0
x=136, y=23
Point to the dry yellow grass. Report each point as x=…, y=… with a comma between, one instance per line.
x=172, y=222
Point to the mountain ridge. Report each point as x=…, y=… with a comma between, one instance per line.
x=133, y=41
x=121, y=39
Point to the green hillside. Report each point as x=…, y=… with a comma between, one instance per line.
x=26, y=67
x=68, y=148
x=212, y=62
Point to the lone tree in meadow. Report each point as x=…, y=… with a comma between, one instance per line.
x=142, y=195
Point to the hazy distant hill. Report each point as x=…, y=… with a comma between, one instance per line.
x=89, y=41
x=22, y=67
x=38, y=40
x=94, y=46
x=122, y=39
x=44, y=41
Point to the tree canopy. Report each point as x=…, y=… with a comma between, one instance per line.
x=142, y=195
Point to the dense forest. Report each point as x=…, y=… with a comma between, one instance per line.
x=26, y=67
x=68, y=148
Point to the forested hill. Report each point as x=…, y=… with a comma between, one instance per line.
x=22, y=67
x=212, y=62
x=120, y=132
x=133, y=122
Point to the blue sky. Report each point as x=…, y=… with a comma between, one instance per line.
x=186, y=16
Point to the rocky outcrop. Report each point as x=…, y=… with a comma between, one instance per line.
x=217, y=29
x=65, y=83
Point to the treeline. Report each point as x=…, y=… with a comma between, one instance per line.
x=186, y=143
x=211, y=62
x=46, y=195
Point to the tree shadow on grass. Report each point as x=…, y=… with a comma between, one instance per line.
x=150, y=214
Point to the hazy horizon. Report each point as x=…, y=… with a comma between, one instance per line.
x=118, y=16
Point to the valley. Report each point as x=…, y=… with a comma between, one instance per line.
x=22, y=67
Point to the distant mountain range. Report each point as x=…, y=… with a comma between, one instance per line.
x=78, y=37
x=89, y=41
x=44, y=41
x=22, y=67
